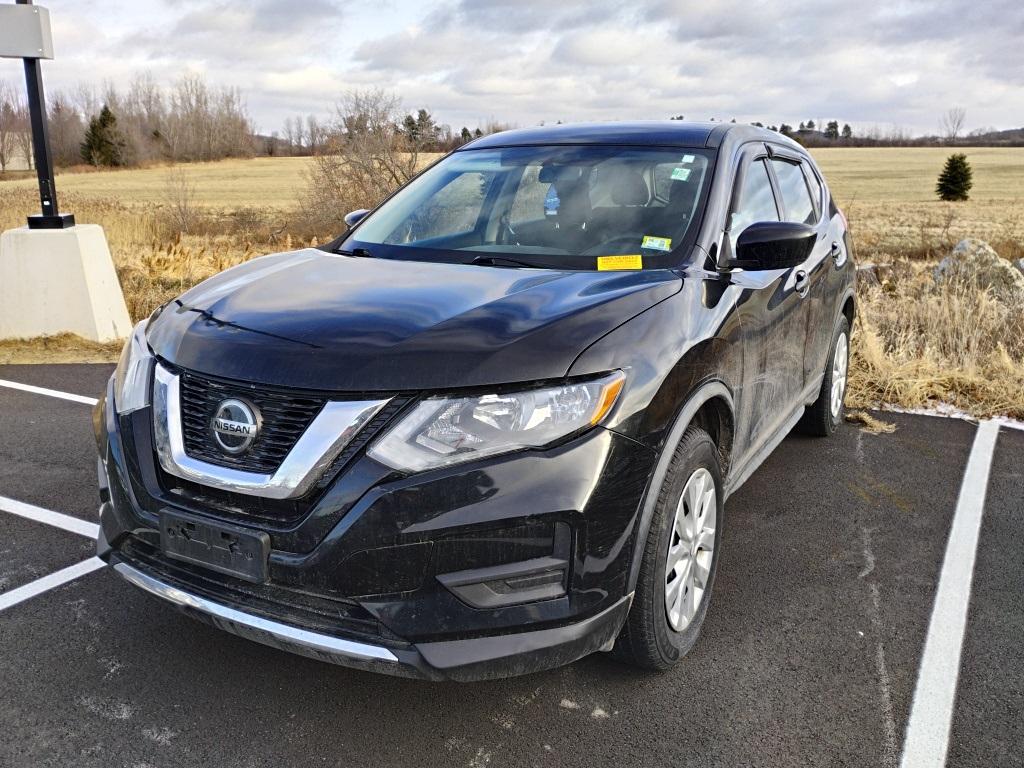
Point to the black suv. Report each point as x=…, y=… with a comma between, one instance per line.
x=491, y=428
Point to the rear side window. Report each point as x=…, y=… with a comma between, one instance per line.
x=796, y=198
x=756, y=201
x=816, y=189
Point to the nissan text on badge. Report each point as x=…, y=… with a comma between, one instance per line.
x=492, y=427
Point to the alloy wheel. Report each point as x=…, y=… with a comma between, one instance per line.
x=840, y=365
x=690, y=549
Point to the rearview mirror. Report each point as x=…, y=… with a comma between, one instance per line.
x=353, y=218
x=773, y=245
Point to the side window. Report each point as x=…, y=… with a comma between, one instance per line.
x=756, y=201
x=796, y=198
x=452, y=209
x=816, y=189
x=531, y=194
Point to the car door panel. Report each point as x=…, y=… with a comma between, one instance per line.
x=773, y=316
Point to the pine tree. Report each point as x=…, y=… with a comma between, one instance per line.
x=832, y=130
x=956, y=180
x=103, y=144
x=847, y=131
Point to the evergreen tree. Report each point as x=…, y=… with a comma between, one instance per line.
x=847, y=131
x=832, y=130
x=955, y=181
x=785, y=129
x=103, y=144
x=465, y=135
x=810, y=125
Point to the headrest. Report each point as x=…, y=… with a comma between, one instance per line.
x=629, y=187
x=551, y=174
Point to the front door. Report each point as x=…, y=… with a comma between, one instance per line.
x=773, y=314
x=798, y=204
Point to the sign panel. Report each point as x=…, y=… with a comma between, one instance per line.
x=25, y=32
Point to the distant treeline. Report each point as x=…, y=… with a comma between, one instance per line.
x=832, y=135
x=193, y=121
x=190, y=121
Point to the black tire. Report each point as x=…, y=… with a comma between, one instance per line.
x=648, y=640
x=818, y=419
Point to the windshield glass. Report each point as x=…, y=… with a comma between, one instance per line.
x=562, y=207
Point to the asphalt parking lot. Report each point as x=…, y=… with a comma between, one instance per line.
x=833, y=554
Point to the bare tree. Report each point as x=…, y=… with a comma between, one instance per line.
x=316, y=134
x=10, y=119
x=23, y=135
x=365, y=156
x=66, y=130
x=953, y=122
x=179, y=196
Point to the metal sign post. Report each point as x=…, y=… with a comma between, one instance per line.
x=25, y=34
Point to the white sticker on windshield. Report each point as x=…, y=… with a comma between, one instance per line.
x=688, y=158
x=680, y=174
x=656, y=243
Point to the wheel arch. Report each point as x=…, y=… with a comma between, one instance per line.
x=709, y=406
x=849, y=308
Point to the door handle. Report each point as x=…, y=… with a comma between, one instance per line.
x=801, y=284
x=836, y=252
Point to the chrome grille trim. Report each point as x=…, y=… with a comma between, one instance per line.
x=333, y=428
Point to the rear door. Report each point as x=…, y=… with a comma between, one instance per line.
x=800, y=205
x=773, y=313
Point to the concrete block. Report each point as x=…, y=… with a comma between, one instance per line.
x=60, y=281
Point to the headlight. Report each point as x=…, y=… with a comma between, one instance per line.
x=448, y=430
x=131, y=379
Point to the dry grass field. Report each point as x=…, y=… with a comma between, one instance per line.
x=916, y=342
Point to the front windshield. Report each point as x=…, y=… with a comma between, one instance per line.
x=561, y=207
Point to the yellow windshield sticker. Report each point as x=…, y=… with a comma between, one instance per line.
x=629, y=261
x=656, y=243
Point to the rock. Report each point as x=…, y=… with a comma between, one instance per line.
x=974, y=263
x=868, y=275
x=1019, y=264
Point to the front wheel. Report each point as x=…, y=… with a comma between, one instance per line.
x=826, y=413
x=679, y=560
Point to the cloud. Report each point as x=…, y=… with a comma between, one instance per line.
x=526, y=61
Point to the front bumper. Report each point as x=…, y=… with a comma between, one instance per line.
x=397, y=574
x=462, y=660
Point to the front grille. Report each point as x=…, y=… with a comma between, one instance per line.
x=274, y=512
x=285, y=417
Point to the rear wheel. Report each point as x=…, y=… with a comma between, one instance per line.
x=679, y=560
x=826, y=413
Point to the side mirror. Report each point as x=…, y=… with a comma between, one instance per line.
x=353, y=218
x=773, y=245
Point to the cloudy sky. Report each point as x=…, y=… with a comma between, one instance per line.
x=526, y=61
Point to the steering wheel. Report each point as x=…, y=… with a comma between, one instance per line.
x=628, y=239
x=506, y=235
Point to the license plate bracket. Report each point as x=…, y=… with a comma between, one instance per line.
x=228, y=549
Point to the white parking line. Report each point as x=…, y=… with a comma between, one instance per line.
x=931, y=714
x=37, y=587
x=49, y=517
x=48, y=392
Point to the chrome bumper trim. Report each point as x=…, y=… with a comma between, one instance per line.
x=264, y=630
x=326, y=437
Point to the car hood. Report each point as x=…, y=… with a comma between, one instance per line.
x=317, y=320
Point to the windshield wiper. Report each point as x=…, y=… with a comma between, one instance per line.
x=502, y=261
x=359, y=253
